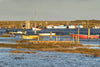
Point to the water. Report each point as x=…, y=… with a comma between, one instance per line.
x=58, y=32
x=46, y=59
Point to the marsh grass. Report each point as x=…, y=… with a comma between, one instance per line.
x=18, y=51
x=58, y=46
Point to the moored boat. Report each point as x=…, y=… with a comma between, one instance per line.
x=18, y=32
x=47, y=34
x=71, y=27
x=60, y=27
x=30, y=36
x=85, y=36
x=37, y=29
x=49, y=26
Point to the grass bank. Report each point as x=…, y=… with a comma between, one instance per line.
x=58, y=46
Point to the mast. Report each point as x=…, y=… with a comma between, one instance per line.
x=35, y=22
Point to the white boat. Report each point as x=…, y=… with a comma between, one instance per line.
x=18, y=32
x=79, y=26
x=96, y=27
x=60, y=27
x=37, y=29
x=49, y=26
x=47, y=34
x=71, y=27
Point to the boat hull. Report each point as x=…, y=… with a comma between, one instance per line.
x=47, y=34
x=60, y=27
x=37, y=29
x=18, y=32
x=30, y=36
x=85, y=36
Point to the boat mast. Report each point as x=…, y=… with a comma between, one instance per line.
x=35, y=22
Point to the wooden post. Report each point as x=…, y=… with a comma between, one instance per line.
x=19, y=37
x=35, y=22
x=88, y=33
x=38, y=38
x=51, y=35
x=73, y=37
x=76, y=39
x=13, y=35
x=78, y=35
x=56, y=38
x=59, y=37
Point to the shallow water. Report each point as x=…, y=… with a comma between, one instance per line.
x=46, y=59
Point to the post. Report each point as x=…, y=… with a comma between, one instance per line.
x=35, y=22
x=19, y=37
x=51, y=35
x=13, y=35
x=76, y=38
x=59, y=37
x=88, y=33
x=78, y=35
x=38, y=38
x=73, y=37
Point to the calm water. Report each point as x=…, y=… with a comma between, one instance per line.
x=46, y=59
x=58, y=32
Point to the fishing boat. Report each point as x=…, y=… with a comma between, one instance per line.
x=47, y=34
x=60, y=27
x=30, y=36
x=85, y=36
x=37, y=28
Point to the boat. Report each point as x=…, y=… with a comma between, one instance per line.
x=30, y=36
x=60, y=27
x=79, y=26
x=49, y=26
x=85, y=36
x=37, y=28
x=47, y=34
x=96, y=27
x=71, y=27
x=18, y=32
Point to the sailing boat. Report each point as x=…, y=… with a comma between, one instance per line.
x=36, y=28
x=32, y=36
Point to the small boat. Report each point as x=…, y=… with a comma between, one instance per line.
x=37, y=28
x=71, y=27
x=60, y=27
x=49, y=26
x=18, y=32
x=47, y=34
x=30, y=36
x=79, y=26
x=85, y=36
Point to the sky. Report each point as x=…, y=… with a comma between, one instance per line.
x=49, y=10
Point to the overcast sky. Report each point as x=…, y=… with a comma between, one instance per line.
x=53, y=10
